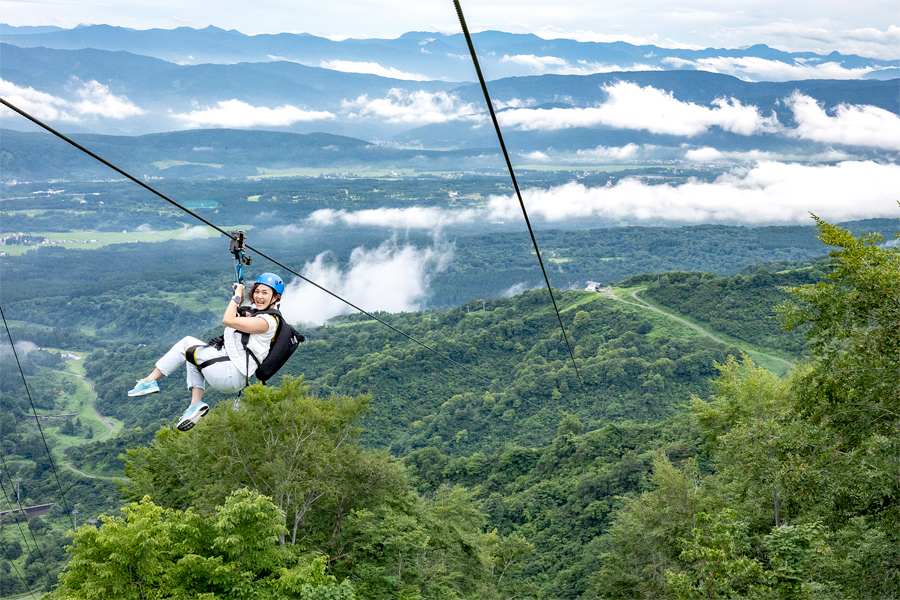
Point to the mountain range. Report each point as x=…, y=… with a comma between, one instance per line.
x=427, y=55
x=647, y=103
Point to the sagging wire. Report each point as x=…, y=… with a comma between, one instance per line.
x=37, y=418
x=16, y=569
x=72, y=142
x=512, y=175
x=19, y=523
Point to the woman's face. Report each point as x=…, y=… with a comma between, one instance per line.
x=262, y=297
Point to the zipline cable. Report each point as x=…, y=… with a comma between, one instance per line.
x=512, y=175
x=37, y=419
x=68, y=140
x=19, y=523
x=16, y=569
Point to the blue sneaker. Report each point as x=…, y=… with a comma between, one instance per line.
x=144, y=387
x=192, y=416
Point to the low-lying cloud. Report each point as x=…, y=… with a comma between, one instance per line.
x=236, y=113
x=416, y=217
x=752, y=68
x=371, y=68
x=391, y=277
x=630, y=106
x=852, y=125
x=613, y=153
x=555, y=65
x=769, y=192
x=418, y=107
x=90, y=99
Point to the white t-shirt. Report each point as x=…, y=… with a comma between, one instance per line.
x=258, y=343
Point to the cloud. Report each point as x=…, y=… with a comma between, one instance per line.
x=614, y=153
x=560, y=66
x=631, y=106
x=391, y=278
x=96, y=100
x=515, y=290
x=93, y=100
x=708, y=154
x=514, y=103
x=767, y=192
x=419, y=107
x=538, y=63
x=536, y=156
x=751, y=68
x=197, y=232
x=852, y=125
x=371, y=68
x=416, y=217
x=235, y=113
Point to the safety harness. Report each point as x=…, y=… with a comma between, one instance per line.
x=282, y=346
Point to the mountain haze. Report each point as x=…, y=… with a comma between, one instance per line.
x=425, y=55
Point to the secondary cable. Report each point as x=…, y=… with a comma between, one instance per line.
x=65, y=138
x=19, y=523
x=512, y=175
x=37, y=418
x=16, y=569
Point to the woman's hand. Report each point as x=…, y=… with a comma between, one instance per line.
x=238, y=290
x=244, y=324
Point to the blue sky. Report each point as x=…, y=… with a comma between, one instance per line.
x=869, y=28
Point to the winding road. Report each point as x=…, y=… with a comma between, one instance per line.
x=106, y=422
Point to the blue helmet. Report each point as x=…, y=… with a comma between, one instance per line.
x=273, y=281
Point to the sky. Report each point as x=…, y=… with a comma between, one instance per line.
x=869, y=28
x=761, y=188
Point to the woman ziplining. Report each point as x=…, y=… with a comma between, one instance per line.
x=252, y=335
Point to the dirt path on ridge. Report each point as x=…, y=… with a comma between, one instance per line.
x=644, y=304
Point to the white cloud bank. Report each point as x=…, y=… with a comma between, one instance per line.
x=91, y=100
x=419, y=107
x=416, y=217
x=235, y=113
x=852, y=125
x=630, y=106
x=753, y=68
x=389, y=278
x=769, y=192
x=559, y=66
x=371, y=68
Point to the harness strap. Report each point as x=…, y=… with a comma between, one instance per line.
x=191, y=356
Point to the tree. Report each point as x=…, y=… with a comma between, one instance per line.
x=354, y=507
x=853, y=315
x=715, y=556
x=284, y=443
x=152, y=552
x=569, y=425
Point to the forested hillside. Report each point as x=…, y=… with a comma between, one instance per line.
x=517, y=478
x=516, y=382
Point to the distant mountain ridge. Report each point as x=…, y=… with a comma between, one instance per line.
x=164, y=97
x=212, y=153
x=426, y=55
x=114, y=82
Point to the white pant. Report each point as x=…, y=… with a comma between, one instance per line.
x=224, y=375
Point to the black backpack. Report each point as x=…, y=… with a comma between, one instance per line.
x=283, y=345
